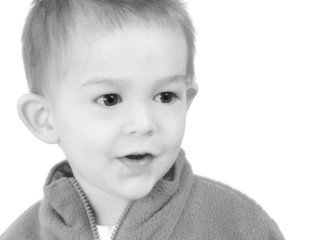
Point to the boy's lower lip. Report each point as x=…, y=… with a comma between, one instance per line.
x=137, y=165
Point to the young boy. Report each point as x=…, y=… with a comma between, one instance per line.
x=111, y=82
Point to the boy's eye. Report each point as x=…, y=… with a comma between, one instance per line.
x=165, y=97
x=109, y=99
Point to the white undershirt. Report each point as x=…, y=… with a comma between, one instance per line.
x=105, y=232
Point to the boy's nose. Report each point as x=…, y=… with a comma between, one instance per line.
x=139, y=122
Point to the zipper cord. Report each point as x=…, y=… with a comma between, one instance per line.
x=88, y=209
x=123, y=215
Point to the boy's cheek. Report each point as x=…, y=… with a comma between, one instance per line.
x=175, y=132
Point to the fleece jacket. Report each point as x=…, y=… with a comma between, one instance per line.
x=185, y=207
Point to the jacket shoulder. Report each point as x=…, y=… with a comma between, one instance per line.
x=24, y=227
x=234, y=211
x=223, y=194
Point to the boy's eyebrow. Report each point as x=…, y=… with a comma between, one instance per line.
x=172, y=79
x=119, y=81
x=105, y=81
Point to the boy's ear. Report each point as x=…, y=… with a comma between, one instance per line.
x=192, y=90
x=35, y=113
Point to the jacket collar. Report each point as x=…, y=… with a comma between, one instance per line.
x=63, y=206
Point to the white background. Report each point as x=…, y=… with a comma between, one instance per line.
x=254, y=124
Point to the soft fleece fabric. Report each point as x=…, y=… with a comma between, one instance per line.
x=185, y=207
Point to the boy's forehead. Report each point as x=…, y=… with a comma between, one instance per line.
x=119, y=48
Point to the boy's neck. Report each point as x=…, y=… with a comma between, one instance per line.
x=108, y=211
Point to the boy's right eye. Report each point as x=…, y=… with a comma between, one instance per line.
x=109, y=99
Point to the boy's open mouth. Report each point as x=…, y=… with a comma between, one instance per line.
x=137, y=162
x=138, y=157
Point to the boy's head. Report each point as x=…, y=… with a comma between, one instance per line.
x=111, y=83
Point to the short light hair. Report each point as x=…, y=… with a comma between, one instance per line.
x=50, y=23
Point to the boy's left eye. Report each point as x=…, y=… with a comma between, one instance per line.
x=166, y=97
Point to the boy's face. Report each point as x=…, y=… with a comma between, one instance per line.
x=123, y=93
